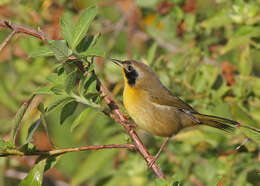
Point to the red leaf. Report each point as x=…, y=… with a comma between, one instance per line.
x=164, y=7
x=189, y=6
x=228, y=71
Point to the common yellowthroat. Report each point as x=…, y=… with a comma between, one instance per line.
x=156, y=110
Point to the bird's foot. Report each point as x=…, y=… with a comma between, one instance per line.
x=132, y=125
x=154, y=158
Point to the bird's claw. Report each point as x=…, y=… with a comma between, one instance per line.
x=131, y=125
x=150, y=164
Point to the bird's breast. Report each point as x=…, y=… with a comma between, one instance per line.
x=158, y=120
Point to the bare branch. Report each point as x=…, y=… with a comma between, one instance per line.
x=15, y=152
x=21, y=29
x=7, y=40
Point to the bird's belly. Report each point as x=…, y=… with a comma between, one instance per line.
x=160, y=121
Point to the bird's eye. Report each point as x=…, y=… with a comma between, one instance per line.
x=130, y=68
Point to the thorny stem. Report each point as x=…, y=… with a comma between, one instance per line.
x=116, y=114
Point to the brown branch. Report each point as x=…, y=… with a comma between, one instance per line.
x=21, y=29
x=11, y=152
x=116, y=114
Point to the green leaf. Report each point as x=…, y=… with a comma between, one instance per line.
x=60, y=49
x=242, y=176
x=82, y=25
x=88, y=43
x=254, y=82
x=19, y=116
x=4, y=145
x=28, y=148
x=67, y=27
x=82, y=116
x=58, y=89
x=70, y=81
x=85, y=83
x=220, y=19
x=54, y=78
x=31, y=130
x=210, y=73
x=205, y=78
x=57, y=103
x=90, y=80
x=95, y=40
x=245, y=63
x=235, y=42
x=43, y=91
x=84, y=43
x=90, y=68
x=242, y=116
x=199, y=82
x=5, y=98
x=86, y=123
x=241, y=37
x=166, y=182
x=197, y=135
x=251, y=134
x=43, y=51
x=51, y=162
x=87, y=47
x=95, y=161
x=35, y=176
x=82, y=83
x=151, y=53
x=93, y=52
x=67, y=111
x=146, y=3
x=221, y=91
x=60, y=70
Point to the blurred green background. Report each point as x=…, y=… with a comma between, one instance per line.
x=205, y=51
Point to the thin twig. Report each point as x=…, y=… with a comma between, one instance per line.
x=7, y=40
x=15, y=152
x=21, y=29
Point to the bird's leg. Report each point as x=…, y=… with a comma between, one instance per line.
x=131, y=124
x=150, y=164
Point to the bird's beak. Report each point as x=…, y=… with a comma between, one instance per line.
x=118, y=62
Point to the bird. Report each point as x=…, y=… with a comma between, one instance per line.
x=157, y=110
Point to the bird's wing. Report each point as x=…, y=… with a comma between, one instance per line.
x=174, y=102
x=165, y=97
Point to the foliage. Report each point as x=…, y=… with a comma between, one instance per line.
x=206, y=52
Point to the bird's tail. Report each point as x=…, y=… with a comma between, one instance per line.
x=222, y=123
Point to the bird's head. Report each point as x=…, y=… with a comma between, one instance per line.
x=137, y=74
